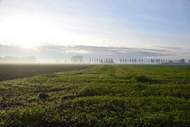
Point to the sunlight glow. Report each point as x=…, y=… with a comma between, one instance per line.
x=26, y=31
x=29, y=31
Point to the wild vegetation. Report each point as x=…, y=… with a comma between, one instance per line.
x=99, y=96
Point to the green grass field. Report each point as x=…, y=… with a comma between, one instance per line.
x=99, y=96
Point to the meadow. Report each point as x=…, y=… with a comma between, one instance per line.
x=98, y=96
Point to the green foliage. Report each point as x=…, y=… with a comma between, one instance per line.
x=142, y=78
x=99, y=96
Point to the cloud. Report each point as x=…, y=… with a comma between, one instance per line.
x=82, y=50
x=53, y=52
x=77, y=51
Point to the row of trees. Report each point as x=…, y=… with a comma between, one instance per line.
x=136, y=61
x=127, y=60
x=102, y=60
x=143, y=60
x=112, y=60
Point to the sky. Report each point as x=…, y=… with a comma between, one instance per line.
x=115, y=23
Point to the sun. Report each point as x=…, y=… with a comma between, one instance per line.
x=25, y=31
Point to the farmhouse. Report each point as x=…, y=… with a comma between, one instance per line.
x=77, y=59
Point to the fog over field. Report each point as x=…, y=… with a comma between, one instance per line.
x=55, y=52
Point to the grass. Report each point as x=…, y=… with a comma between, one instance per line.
x=99, y=96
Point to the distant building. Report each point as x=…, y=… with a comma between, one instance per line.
x=77, y=59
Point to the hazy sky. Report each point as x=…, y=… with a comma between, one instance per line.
x=129, y=23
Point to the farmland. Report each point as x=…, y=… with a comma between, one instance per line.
x=12, y=71
x=99, y=96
